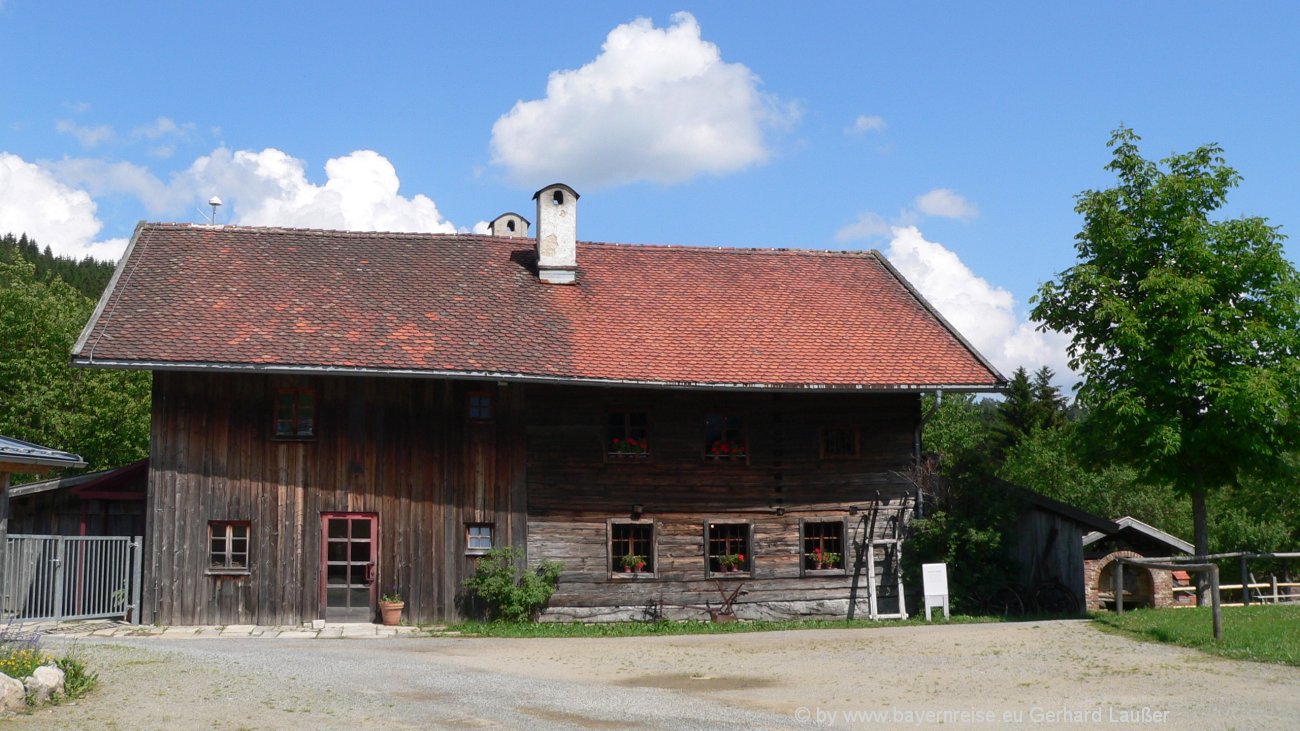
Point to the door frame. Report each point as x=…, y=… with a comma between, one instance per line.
x=323, y=564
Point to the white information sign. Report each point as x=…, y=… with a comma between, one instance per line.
x=934, y=582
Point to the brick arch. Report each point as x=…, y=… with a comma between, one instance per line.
x=1098, y=577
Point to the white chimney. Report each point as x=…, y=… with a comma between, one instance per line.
x=509, y=224
x=557, y=234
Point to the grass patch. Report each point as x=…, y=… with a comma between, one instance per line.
x=643, y=629
x=1265, y=633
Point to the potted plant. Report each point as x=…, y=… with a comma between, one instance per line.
x=630, y=448
x=731, y=562
x=390, y=607
x=633, y=562
x=822, y=560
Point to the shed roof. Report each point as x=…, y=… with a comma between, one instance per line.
x=460, y=305
x=1128, y=523
x=15, y=453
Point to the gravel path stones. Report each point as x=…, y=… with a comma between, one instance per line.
x=1035, y=675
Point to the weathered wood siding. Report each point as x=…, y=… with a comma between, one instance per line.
x=573, y=492
x=400, y=449
x=1049, y=547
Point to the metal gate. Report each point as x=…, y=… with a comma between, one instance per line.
x=70, y=577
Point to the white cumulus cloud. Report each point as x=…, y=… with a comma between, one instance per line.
x=657, y=104
x=269, y=188
x=34, y=202
x=983, y=313
x=946, y=203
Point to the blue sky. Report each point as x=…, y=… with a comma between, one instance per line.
x=951, y=136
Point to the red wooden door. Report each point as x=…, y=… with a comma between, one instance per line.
x=348, y=549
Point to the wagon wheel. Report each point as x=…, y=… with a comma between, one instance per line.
x=1005, y=602
x=1053, y=597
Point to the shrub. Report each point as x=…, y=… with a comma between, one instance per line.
x=77, y=681
x=507, y=591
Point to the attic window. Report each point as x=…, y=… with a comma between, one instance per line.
x=839, y=441
x=295, y=413
x=627, y=437
x=558, y=197
x=479, y=406
x=724, y=438
x=510, y=226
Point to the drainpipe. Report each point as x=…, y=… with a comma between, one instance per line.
x=916, y=447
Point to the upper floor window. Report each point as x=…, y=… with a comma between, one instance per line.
x=724, y=438
x=839, y=441
x=479, y=406
x=627, y=436
x=295, y=413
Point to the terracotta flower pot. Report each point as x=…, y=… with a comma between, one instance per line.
x=391, y=612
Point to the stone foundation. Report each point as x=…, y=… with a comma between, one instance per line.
x=784, y=610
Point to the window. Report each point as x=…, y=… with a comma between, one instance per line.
x=478, y=538
x=631, y=547
x=823, y=545
x=728, y=547
x=626, y=436
x=839, y=442
x=479, y=406
x=724, y=438
x=228, y=547
x=295, y=414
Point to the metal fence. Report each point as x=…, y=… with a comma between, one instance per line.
x=70, y=577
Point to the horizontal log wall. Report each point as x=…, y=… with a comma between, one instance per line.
x=401, y=449
x=573, y=491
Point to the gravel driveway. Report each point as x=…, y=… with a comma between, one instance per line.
x=1034, y=675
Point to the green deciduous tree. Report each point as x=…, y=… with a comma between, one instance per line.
x=1185, y=329
x=101, y=415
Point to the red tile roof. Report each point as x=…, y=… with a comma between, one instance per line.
x=449, y=304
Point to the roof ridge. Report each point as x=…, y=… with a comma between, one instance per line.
x=470, y=235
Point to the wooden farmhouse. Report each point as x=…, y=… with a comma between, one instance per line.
x=338, y=415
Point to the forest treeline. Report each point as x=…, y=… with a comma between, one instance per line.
x=88, y=276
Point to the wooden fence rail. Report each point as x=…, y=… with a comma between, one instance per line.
x=1203, y=564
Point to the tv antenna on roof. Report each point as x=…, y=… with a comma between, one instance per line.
x=214, y=202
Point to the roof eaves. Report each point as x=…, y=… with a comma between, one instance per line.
x=524, y=377
x=17, y=452
x=1002, y=380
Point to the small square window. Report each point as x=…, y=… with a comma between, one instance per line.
x=724, y=438
x=627, y=436
x=728, y=547
x=295, y=413
x=839, y=442
x=479, y=406
x=823, y=545
x=631, y=547
x=478, y=538
x=228, y=543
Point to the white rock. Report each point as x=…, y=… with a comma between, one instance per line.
x=46, y=682
x=12, y=694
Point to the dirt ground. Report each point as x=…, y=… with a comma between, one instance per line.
x=1038, y=675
